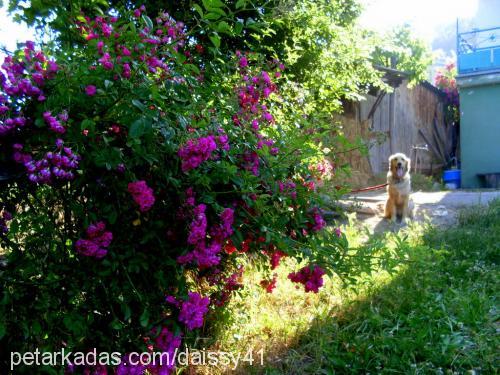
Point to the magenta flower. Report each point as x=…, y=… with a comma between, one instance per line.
x=90, y=90
x=193, y=311
x=310, y=276
x=319, y=222
x=243, y=62
x=196, y=151
x=97, y=241
x=142, y=194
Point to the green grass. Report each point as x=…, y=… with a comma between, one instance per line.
x=437, y=314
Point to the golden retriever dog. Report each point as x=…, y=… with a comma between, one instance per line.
x=398, y=188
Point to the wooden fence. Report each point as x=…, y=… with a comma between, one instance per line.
x=407, y=120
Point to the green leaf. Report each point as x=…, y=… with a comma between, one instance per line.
x=144, y=319
x=193, y=68
x=139, y=105
x=148, y=22
x=208, y=4
x=215, y=40
x=238, y=28
x=223, y=27
x=127, y=312
x=240, y=4
x=138, y=128
x=198, y=9
x=212, y=16
x=3, y=330
x=87, y=124
x=107, y=83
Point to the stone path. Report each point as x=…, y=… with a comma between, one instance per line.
x=440, y=207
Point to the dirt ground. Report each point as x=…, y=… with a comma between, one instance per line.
x=441, y=208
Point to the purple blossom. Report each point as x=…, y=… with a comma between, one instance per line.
x=196, y=151
x=198, y=226
x=90, y=90
x=53, y=166
x=227, y=217
x=319, y=222
x=142, y=195
x=97, y=241
x=193, y=310
x=127, y=368
x=243, y=62
x=53, y=123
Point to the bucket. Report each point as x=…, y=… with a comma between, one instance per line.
x=451, y=179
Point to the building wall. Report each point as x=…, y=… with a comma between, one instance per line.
x=480, y=127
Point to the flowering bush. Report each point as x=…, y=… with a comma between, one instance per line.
x=445, y=80
x=139, y=175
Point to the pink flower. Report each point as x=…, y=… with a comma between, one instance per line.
x=142, y=194
x=90, y=90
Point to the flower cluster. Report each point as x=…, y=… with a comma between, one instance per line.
x=445, y=80
x=253, y=112
x=57, y=165
x=193, y=310
x=24, y=79
x=207, y=255
x=97, y=241
x=54, y=123
x=129, y=366
x=322, y=170
x=310, y=276
x=288, y=187
x=251, y=162
x=149, y=50
x=11, y=123
x=197, y=150
x=167, y=343
x=142, y=194
x=276, y=256
x=319, y=222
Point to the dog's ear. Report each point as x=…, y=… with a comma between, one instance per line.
x=408, y=163
x=391, y=159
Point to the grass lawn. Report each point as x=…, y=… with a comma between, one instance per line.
x=437, y=314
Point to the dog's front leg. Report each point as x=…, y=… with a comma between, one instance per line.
x=406, y=210
x=387, y=210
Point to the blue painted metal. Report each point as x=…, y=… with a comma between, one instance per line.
x=478, y=50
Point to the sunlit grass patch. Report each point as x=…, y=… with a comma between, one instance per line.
x=436, y=313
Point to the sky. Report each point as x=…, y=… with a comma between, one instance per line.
x=11, y=32
x=426, y=17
